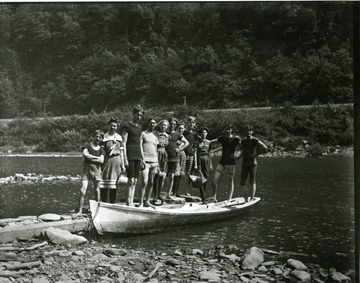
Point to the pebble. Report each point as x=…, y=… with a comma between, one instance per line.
x=98, y=262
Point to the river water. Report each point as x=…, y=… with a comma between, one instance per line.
x=307, y=208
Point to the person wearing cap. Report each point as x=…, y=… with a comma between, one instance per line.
x=113, y=162
x=251, y=148
x=131, y=133
x=226, y=165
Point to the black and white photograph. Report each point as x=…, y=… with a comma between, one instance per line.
x=179, y=141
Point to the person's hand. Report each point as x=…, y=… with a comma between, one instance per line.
x=211, y=168
x=123, y=168
x=126, y=162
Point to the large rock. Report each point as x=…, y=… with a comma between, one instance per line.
x=301, y=276
x=63, y=237
x=296, y=264
x=337, y=276
x=49, y=217
x=252, y=259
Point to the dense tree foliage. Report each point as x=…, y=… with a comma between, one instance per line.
x=66, y=58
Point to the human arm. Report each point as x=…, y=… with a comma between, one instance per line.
x=93, y=158
x=141, y=148
x=262, y=147
x=184, y=144
x=125, y=137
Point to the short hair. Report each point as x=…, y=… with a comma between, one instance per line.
x=150, y=119
x=248, y=128
x=191, y=119
x=172, y=119
x=137, y=109
x=98, y=132
x=163, y=122
x=113, y=119
x=204, y=129
x=181, y=123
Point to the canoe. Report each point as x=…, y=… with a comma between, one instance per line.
x=122, y=219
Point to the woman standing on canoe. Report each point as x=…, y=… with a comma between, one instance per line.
x=203, y=159
x=181, y=165
x=93, y=159
x=113, y=163
x=227, y=162
x=163, y=139
x=131, y=132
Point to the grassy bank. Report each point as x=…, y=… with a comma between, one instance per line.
x=285, y=128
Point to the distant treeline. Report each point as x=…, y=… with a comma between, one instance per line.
x=287, y=127
x=67, y=58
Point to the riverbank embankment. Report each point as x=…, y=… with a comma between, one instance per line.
x=320, y=126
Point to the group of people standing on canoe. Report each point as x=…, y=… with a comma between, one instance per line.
x=166, y=153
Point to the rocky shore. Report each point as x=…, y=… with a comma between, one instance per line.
x=72, y=258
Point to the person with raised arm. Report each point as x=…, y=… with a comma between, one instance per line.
x=229, y=144
x=251, y=148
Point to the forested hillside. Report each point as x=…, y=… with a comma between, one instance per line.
x=67, y=58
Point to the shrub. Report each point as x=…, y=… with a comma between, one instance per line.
x=316, y=150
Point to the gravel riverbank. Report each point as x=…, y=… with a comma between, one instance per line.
x=97, y=262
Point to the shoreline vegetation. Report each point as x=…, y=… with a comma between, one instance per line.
x=288, y=130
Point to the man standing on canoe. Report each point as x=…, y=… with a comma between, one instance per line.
x=251, y=148
x=131, y=132
x=149, y=143
x=226, y=165
x=190, y=135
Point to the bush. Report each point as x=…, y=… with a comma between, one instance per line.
x=316, y=150
x=287, y=126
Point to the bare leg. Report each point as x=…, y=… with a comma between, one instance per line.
x=216, y=177
x=253, y=190
x=150, y=189
x=84, y=185
x=145, y=178
x=132, y=191
x=171, y=183
x=97, y=190
x=231, y=187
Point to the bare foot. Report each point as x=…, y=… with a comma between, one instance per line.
x=76, y=215
x=148, y=204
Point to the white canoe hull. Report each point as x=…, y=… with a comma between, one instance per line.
x=119, y=218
